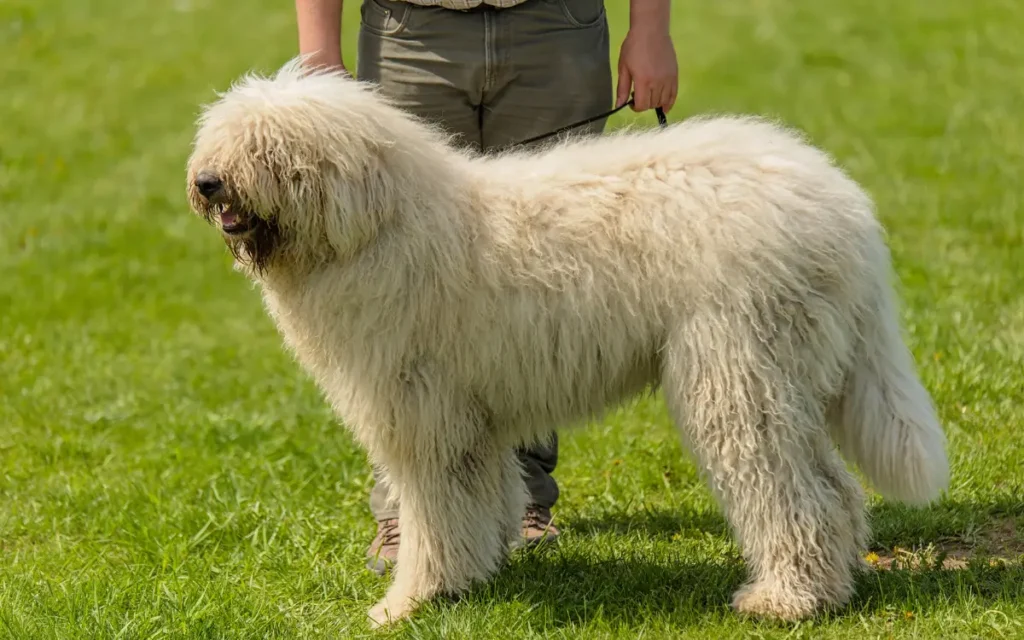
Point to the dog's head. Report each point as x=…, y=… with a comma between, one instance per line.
x=292, y=168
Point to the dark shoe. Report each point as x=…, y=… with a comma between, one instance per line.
x=537, y=527
x=383, y=551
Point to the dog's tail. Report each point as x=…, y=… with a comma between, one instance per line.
x=885, y=421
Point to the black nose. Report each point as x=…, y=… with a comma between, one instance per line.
x=208, y=184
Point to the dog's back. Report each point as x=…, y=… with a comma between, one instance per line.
x=592, y=251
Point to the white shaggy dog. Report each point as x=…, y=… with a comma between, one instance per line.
x=452, y=307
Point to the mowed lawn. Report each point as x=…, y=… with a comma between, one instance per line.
x=166, y=471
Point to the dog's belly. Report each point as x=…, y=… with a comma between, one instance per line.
x=535, y=416
x=557, y=379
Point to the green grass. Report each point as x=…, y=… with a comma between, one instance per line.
x=167, y=471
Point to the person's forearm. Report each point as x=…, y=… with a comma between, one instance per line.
x=649, y=14
x=319, y=23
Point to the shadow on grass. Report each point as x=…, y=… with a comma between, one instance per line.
x=565, y=585
x=922, y=590
x=891, y=524
x=563, y=588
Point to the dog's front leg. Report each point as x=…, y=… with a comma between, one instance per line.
x=453, y=513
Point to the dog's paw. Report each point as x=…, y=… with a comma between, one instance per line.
x=389, y=611
x=763, y=600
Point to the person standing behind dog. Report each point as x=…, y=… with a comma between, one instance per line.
x=495, y=72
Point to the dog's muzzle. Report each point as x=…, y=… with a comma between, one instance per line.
x=233, y=219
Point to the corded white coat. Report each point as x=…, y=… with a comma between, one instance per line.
x=452, y=306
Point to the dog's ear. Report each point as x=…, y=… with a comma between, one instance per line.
x=357, y=202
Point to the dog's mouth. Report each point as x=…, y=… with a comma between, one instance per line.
x=235, y=221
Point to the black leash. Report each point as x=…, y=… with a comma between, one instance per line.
x=662, y=122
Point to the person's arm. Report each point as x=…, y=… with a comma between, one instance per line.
x=647, y=60
x=319, y=23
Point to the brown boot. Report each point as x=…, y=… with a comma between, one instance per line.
x=383, y=551
x=537, y=527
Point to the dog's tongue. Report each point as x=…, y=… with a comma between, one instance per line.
x=228, y=218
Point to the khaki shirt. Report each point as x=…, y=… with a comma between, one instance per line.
x=465, y=5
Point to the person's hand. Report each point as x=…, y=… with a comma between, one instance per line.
x=647, y=65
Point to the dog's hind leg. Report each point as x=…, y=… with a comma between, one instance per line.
x=760, y=436
x=458, y=487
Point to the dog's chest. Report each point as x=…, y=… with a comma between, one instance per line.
x=318, y=333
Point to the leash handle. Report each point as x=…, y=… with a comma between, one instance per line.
x=662, y=122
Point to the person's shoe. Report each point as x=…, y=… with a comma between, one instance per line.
x=383, y=551
x=537, y=527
